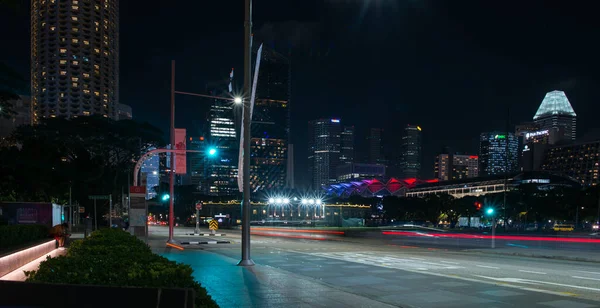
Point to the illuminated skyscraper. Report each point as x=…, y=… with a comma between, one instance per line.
x=324, y=147
x=74, y=58
x=270, y=123
x=456, y=166
x=495, y=155
x=556, y=115
x=410, y=161
x=347, y=145
x=375, y=149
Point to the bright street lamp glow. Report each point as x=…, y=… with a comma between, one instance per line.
x=278, y=200
x=286, y=201
x=318, y=202
x=304, y=201
x=237, y=100
x=311, y=201
x=271, y=200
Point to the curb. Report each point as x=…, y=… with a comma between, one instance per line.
x=205, y=242
x=207, y=234
x=517, y=254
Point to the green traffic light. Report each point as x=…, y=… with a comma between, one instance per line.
x=165, y=197
x=490, y=211
x=212, y=151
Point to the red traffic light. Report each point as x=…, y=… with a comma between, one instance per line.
x=478, y=205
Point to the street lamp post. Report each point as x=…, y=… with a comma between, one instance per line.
x=172, y=173
x=246, y=260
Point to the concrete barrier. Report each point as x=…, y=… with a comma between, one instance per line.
x=14, y=260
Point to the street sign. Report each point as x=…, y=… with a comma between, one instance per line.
x=213, y=225
x=137, y=190
x=199, y=206
x=81, y=209
x=99, y=197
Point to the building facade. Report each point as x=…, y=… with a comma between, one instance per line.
x=324, y=148
x=270, y=123
x=498, y=153
x=533, y=149
x=220, y=156
x=357, y=171
x=74, y=58
x=580, y=161
x=347, y=146
x=456, y=166
x=195, y=160
x=151, y=172
x=410, y=162
x=375, y=146
x=556, y=115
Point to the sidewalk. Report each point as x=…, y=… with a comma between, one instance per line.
x=260, y=286
x=568, y=255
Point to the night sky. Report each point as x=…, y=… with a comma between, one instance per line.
x=453, y=67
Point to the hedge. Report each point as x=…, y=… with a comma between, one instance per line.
x=17, y=235
x=115, y=258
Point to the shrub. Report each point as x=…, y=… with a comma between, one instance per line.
x=16, y=235
x=114, y=257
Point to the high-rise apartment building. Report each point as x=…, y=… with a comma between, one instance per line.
x=195, y=160
x=375, y=147
x=556, y=115
x=580, y=161
x=410, y=161
x=456, y=166
x=324, y=148
x=347, y=145
x=74, y=58
x=498, y=153
x=270, y=123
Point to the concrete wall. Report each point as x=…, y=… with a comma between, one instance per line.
x=12, y=261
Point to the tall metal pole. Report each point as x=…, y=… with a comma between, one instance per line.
x=506, y=140
x=246, y=260
x=172, y=173
x=110, y=212
x=70, y=210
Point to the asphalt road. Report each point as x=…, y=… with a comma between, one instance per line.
x=421, y=276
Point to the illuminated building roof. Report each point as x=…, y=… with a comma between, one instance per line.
x=555, y=103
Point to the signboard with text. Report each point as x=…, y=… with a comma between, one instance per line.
x=180, y=164
x=138, y=213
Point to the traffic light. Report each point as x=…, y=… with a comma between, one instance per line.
x=212, y=151
x=490, y=211
x=165, y=197
x=478, y=205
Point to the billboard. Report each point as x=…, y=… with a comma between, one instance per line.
x=180, y=164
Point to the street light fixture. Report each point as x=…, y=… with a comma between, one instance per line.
x=237, y=100
x=286, y=201
x=318, y=202
x=271, y=200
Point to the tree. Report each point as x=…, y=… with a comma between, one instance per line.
x=93, y=155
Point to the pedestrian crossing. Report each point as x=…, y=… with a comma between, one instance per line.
x=388, y=261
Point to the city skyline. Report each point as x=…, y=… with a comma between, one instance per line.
x=496, y=93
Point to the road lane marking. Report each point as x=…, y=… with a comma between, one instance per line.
x=597, y=273
x=587, y=278
x=532, y=272
x=416, y=258
x=485, y=266
x=449, y=262
x=529, y=281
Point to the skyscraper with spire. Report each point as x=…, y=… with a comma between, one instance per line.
x=556, y=115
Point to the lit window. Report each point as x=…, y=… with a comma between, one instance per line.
x=75, y=7
x=97, y=50
x=96, y=23
x=62, y=94
x=74, y=79
x=75, y=41
x=86, y=42
x=86, y=91
x=87, y=113
x=75, y=30
x=63, y=62
x=75, y=62
x=63, y=50
x=52, y=28
x=75, y=84
x=74, y=18
x=63, y=73
x=96, y=66
x=96, y=93
x=86, y=75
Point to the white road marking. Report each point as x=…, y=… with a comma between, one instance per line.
x=421, y=269
x=449, y=262
x=416, y=258
x=532, y=272
x=529, y=281
x=597, y=273
x=587, y=278
x=485, y=266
